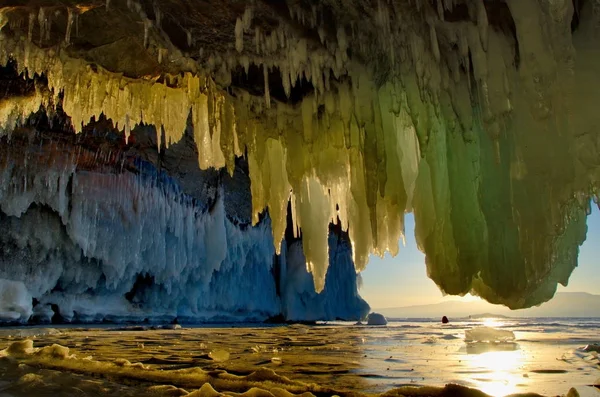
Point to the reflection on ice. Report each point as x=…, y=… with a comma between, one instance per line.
x=492, y=354
x=485, y=347
x=498, y=377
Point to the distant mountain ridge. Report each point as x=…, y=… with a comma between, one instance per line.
x=564, y=304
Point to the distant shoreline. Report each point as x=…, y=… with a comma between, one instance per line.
x=563, y=305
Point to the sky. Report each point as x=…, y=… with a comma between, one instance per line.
x=403, y=281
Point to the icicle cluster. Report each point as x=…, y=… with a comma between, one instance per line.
x=494, y=214
x=129, y=247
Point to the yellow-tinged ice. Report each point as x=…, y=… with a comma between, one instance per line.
x=270, y=187
x=89, y=93
x=14, y=111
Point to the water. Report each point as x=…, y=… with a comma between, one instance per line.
x=547, y=357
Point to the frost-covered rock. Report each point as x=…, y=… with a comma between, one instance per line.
x=376, y=319
x=135, y=250
x=15, y=301
x=92, y=246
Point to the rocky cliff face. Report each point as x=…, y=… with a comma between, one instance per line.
x=476, y=115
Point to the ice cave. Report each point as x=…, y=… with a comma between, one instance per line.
x=228, y=160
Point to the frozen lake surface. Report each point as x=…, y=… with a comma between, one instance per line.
x=547, y=356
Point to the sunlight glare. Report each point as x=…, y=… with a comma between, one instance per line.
x=499, y=379
x=492, y=322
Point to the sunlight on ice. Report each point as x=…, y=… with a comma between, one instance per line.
x=500, y=380
x=492, y=322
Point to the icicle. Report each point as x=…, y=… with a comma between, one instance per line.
x=147, y=26
x=314, y=211
x=463, y=44
x=247, y=18
x=383, y=17
x=3, y=20
x=282, y=40
x=435, y=47
x=239, y=35
x=69, y=26
x=285, y=79
x=272, y=42
x=31, y=26
x=342, y=42
x=77, y=25
x=161, y=54
x=245, y=62
x=189, y=37
x=482, y=24
x=267, y=92
x=321, y=33
x=440, y=10
x=295, y=220
x=127, y=128
x=42, y=22
x=48, y=26
x=157, y=14
x=257, y=39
